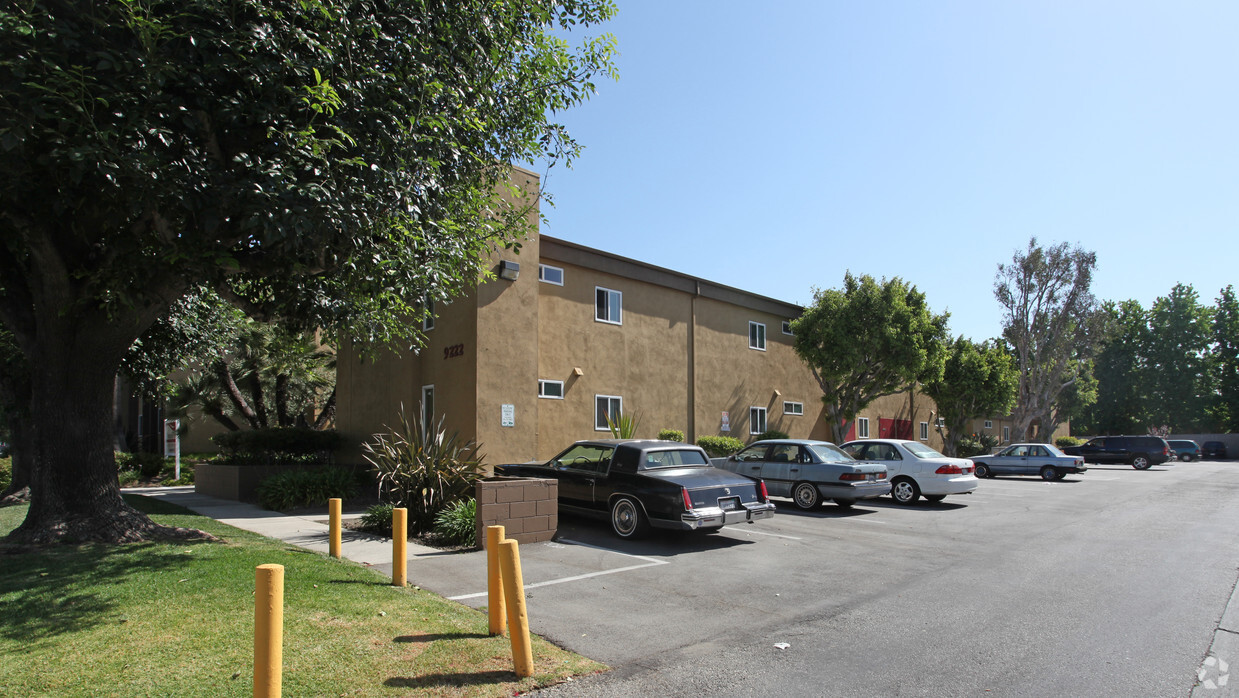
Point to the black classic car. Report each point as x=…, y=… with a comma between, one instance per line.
x=641, y=484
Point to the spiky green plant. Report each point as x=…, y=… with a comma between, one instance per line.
x=624, y=426
x=458, y=522
x=423, y=469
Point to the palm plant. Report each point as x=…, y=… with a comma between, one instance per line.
x=624, y=426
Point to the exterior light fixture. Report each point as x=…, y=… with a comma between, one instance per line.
x=577, y=371
x=509, y=270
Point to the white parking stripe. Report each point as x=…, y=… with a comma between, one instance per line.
x=760, y=533
x=649, y=562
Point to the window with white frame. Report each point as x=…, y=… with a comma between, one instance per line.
x=608, y=305
x=428, y=322
x=1006, y=434
x=551, y=275
x=757, y=336
x=757, y=420
x=862, y=427
x=989, y=424
x=551, y=389
x=607, y=406
x=793, y=407
x=787, y=327
x=924, y=431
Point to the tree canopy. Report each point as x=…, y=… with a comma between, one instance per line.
x=1049, y=322
x=867, y=340
x=978, y=380
x=333, y=163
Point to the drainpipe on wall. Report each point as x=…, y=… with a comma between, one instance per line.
x=690, y=429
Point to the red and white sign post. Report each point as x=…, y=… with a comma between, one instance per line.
x=172, y=443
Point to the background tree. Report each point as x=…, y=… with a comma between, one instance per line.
x=1176, y=356
x=978, y=380
x=1225, y=362
x=1074, y=400
x=329, y=163
x=1120, y=407
x=866, y=341
x=14, y=398
x=1048, y=322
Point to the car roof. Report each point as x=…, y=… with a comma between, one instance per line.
x=798, y=442
x=636, y=443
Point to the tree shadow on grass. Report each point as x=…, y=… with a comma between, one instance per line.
x=62, y=589
x=434, y=637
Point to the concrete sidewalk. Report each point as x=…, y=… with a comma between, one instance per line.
x=307, y=531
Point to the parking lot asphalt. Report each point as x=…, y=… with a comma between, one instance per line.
x=1113, y=582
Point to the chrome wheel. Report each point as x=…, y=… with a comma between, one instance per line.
x=806, y=496
x=905, y=491
x=626, y=518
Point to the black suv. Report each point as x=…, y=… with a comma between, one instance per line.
x=1140, y=451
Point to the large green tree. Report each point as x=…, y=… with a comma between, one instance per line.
x=868, y=340
x=1176, y=355
x=1120, y=407
x=1049, y=322
x=332, y=163
x=1225, y=361
x=978, y=380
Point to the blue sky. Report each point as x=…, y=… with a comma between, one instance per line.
x=775, y=146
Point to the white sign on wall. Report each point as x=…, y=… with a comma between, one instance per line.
x=507, y=415
x=172, y=443
x=726, y=422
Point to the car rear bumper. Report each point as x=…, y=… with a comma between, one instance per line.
x=955, y=485
x=860, y=490
x=715, y=517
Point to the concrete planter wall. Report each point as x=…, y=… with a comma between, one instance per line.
x=240, y=482
x=526, y=507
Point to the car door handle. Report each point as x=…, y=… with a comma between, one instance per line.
x=795, y=470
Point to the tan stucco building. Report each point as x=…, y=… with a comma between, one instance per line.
x=527, y=365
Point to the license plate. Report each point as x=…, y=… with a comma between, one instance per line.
x=729, y=503
x=873, y=477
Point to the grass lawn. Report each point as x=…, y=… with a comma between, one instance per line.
x=155, y=619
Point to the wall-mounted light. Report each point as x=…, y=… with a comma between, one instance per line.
x=777, y=393
x=577, y=371
x=509, y=270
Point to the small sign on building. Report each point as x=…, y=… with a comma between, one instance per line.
x=172, y=443
x=726, y=422
x=507, y=415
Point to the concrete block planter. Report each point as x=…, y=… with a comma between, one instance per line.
x=526, y=507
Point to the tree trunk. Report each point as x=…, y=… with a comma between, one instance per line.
x=75, y=495
x=328, y=413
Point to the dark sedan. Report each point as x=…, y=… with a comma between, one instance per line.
x=642, y=484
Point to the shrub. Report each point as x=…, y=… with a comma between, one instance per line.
x=304, y=488
x=277, y=446
x=423, y=470
x=624, y=426
x=671, y=435
x=6, y=473
x=456, y=523
x=720, y=446
x=1067, y=441
x=377, y=519
x=771, y=434
x=975, y=445
x=127, y=477
x=143, y=464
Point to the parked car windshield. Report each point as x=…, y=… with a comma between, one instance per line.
x=921, y=450
x=829, y=453
x=674, y=458
x=590, y=457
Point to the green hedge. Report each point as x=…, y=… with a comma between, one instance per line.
x=277, y=446
x=6, y=473
x=671, y=435
x=771, y=434
x=144, y=464
x=1067, y=441
x=720, y=446
x=306, y=488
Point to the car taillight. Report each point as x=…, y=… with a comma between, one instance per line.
x=761, y=491
x=853, y=476
x=950, y=470
x=688, y=501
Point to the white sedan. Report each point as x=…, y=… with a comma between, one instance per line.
x=916, y=470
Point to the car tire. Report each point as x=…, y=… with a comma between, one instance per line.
x=1140, y=462
x=805, y=496
x=1186, y=458
x=1049, y=474
x=905, y=491
x=935, y=498
x=983, y=470
x=845, y=503
x=627, y=518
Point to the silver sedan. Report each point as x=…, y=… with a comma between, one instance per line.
x=1029, y=459
x=808, y=472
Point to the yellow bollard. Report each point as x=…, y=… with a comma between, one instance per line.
x=399, y=549
x=518, y=619
x=268, y=631
x=494, y=582
x=333, y=510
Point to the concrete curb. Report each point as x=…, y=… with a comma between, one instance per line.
x=309, y=532
x=1213, y=678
